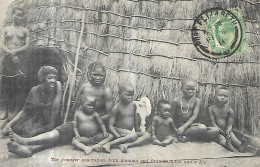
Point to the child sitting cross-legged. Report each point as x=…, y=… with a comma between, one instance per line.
x=163, y=127
x=87, y=125
x=122, y=121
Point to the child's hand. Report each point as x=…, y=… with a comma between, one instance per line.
x=154, y=137
x=77, y=137
x=175, y=140
x=227, y=134
x=106, y=135
x=180, y=131
x=122, y=135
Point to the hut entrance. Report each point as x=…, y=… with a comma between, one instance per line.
x=36, y=58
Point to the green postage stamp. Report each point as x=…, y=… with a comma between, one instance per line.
x=224, y=31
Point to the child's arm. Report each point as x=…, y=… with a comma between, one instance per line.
x=112, y=122
x=213, y=122
x=136, y=124
x=154, y=123
x=192, y=118
x=108, y=103
x=173, y=127
x=101, y=125
x=230, y=122
x=75, y=127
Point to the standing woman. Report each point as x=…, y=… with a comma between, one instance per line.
x=15, y=41
x=41, y=111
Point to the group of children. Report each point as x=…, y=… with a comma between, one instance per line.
x=99, y=125
x=89, y=127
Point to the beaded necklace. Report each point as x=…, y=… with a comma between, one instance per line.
x=184, y=112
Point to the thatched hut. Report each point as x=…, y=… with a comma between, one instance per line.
x=147, y=42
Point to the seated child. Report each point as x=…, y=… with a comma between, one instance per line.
x=163, y=127
x=222, y=117
x=186, y=109
x=87, y=125
x=96, y=88
x=122, y=121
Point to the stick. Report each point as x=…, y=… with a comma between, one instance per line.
x=72, y=83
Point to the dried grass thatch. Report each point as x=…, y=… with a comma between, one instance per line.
x=149, y=43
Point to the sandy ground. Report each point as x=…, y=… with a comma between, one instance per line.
x=181, y=154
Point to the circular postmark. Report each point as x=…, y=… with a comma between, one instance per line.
x=217, y=33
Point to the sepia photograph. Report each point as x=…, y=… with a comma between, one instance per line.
x=130, y=83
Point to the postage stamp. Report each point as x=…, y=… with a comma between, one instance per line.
x=218, y=33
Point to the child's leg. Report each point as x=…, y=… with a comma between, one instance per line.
x=80, y=146
x=224, y=143
x=195, y=130
x=130, y=136
x=98, y=147
x=168, y=140
x=142, y=138
x=25, y=150
x=244, y=145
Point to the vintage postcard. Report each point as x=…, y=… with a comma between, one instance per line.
x=130, y=83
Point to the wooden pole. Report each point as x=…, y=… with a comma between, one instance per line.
x=72, y=83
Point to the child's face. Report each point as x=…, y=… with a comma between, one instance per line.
x=88, y=106
x=165, y=110
x=189, y=88
x=50, y=81
x=97, y=76
x=127, y=95
x=222, y=96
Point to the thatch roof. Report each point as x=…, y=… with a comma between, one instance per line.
x=149, y=43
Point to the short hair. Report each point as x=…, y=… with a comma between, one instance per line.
x=187, y=79
x=92, y=67
x=220, y=87
x=163, y=101
x=123, y=85
x=44, y=71
x=17, y=8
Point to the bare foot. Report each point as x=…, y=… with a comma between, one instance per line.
x=229, y=146
x=244, y=144
x=163, y=144
x=97, y=148
x=107, y=148
x=182, y=139
x=18, y=149
x=157, y=142
x=16, y=138
x=88, y=150
x=123, y=147
x=4, y=116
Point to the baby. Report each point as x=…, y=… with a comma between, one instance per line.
x=186, y=109
x=96, y=88
x=122, y=121
x=87, y=125
x=163, y=127
x=222, y=117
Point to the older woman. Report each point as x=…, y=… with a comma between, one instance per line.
x=41, y=110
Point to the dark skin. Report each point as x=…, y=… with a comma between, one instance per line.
x=86, y=126
x=122, y=121
x=124, y=113
x=87, y=122
x=222, y=117
x=49, y=87
x=162, y=126
x=101, y=93
x=190, y=104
